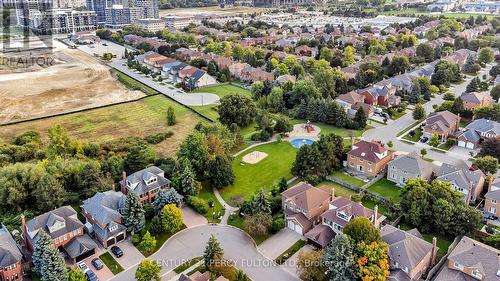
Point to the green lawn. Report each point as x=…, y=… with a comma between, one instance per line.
x=290, y=252
x=415, y=137
x=237, y=221
x=338, y=189
x=207, y=194
x=347, y=178
x=409, y=128
x=386, y=189
x=328, y=129
x=187, y=265
x=443, y=243
x=111, y=263
x=413, y=11
x=223, y=90
x=250, y=178
x=133, y=84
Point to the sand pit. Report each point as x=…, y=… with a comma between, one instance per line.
x=77, y=81
x=254, y=157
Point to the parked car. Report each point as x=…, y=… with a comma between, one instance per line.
x=91, y=276
x=82, y=266
x=424, y=139
x=104, y=44
x=97, y=263
x=117, y=251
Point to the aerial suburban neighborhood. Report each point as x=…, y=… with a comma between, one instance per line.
x=238, y=140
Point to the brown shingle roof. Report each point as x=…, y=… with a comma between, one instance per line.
x=306, y=196
x=368, y=150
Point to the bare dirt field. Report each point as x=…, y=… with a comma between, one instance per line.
x=75, y=81
x=135, y=119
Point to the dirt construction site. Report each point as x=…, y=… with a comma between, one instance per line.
x=69, y=80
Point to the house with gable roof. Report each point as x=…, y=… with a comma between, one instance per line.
x=11, y=258
x=468, y=182
x=103, y=212
x=492, y=199
x=443, y=123
x=409, y=166
x=474, y=100
x=302, y=205
x=476, y=132
x=65, y=230
x=146, y=183
x=410, y=256
x=368, y=157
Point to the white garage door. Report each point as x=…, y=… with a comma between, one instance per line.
x=295, y=227
x=470, y=145
x=298, y=229
x=461, y=143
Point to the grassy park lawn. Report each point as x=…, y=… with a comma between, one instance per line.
x=237, y=221
x=338, y=189
x=207, y=194
x=250, y=178
x=111, y=263
x=135, y=119
x=223, y=90
x=187, y=265
x=386, y=189
x=347, y=178
x=329, y=129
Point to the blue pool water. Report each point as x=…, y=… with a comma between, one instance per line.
x=298, y=142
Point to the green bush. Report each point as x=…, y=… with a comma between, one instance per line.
x=278, y=224
x=198, y=204
x=136, y=239
x=157, y=138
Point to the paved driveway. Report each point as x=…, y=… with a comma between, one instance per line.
x=238, y=247
x=192, y=218
x=279, y=242
x=131, y=256
x=103, y=274
x=291, y=263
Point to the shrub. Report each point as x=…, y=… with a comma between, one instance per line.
x=136, y=239
x=278, y=224
x=157, y=138
x=149, y=211
x=198, y=204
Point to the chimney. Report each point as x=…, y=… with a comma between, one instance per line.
x=124, y=183
x=375, y=216
x=352, y=141
x=434, y=251
x=25, y=230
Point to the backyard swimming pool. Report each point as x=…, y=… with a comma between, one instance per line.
x=298, y=142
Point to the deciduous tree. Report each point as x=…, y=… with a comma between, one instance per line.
x=148, y=270
x=171, y=218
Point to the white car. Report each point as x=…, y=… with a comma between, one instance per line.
x=81, y=265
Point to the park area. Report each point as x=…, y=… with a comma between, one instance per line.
x=139, y=118
x=264, y=174
x=223, y=90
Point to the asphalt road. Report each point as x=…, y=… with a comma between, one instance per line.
x=389, y=132
x=238, y=248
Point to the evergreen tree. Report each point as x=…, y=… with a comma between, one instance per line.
x=360, y=118
x=156, y=226
x=419, y=112
x=458, y=106
x=415, y=93
x=283, y=184
x=213, y=251
x=185, y=182
x=470, y=65
x=338, y=259
x=133, y=213
x=170, y=116
x=260, y=203
x=170, y=196
x=47, y=259
x=473, y=85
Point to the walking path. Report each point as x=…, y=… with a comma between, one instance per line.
x=229, y=210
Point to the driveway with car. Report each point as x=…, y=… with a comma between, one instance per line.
x=238, y=248
x=279, y=243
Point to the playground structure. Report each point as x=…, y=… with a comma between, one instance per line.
x=306, y=130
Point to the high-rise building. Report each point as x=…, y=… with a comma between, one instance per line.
x=149, y=8
x=56, y=21
x=118, y=16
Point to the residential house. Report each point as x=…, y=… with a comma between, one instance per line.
x=476, y=132
x=103, y=212
x=342, y=210
x=146, y=183
x=409, y=166
x=492, y=199
x=11, y=258
x=352, y=101
x=471, y=260
x=384, y=95
x=410, y=256
x=236, y=69
x=468, y=182
x=65, y=230
x=171, y=70
x=283, y=79
x=443, y=123
x=302, y=205
x=196, y=276
x=368, y=157
x=474, y=100
x=196, y=77
x=255, y=74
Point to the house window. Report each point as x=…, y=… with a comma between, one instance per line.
x=457, y=265
x=493, y=201
x=477, y=274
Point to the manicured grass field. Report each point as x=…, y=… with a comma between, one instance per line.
x=338, y=189
x=223, y=90
x=347, y=178
x=386, y=189
x=140, y=118
x=207, y=194
x=250, y=178
x=111, y=263
x=328, y=129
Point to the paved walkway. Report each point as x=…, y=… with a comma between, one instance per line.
x=192, y=218
x=194, y=99
x=275, y=245
x=238, y=248
x=228, y=208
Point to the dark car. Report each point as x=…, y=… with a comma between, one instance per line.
x=91, y=275
x=104, y=44
x=424, y=139
x=97, y=263
x=117, y=251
